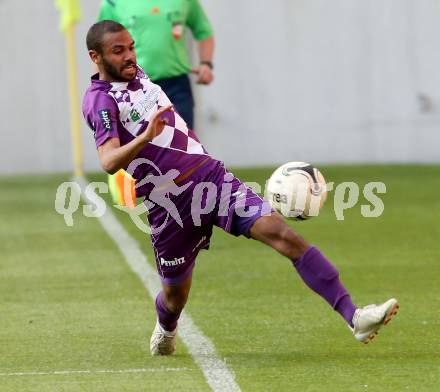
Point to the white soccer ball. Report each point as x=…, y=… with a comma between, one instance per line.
x=297, y=190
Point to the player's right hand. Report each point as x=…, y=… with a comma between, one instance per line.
x=157, y=123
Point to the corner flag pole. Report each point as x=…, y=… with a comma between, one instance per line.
x=70, y=14
x=75, y=124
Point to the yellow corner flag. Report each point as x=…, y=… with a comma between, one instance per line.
x=70, y=13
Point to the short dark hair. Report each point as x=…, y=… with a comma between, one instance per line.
x=97, y=31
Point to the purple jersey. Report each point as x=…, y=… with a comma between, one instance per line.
x=124, y=109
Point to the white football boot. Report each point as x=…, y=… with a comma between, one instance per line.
x=162, y=342
x=368, y=320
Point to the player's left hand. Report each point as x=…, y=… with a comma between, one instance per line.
x=157, y=124
x=204, y=71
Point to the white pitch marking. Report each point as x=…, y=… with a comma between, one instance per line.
x=100, y=371
x=219, y=377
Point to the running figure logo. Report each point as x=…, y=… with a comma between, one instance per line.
x=164, y=186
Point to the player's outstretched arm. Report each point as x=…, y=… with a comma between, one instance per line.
x=113, y=156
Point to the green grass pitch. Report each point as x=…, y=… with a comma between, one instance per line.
x=69, y=303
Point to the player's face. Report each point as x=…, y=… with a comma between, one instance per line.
x=118, y=57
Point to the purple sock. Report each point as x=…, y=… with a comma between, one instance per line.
x=167, y=320
x=323, y=278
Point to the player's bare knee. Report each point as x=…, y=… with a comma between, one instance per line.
x=266, y=229
x=288, y=242
x=274, y=231
x=284, y=233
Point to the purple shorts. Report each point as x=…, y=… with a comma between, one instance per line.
x=213, y=196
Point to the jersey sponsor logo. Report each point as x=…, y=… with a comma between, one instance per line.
x=106, y=121
x=172, y=263
x=135, y=115
x=141, y=108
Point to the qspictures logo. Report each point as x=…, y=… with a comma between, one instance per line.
x=206, y=197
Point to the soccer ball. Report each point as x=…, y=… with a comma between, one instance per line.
x=297, y=190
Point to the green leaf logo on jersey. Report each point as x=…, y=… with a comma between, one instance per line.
x=135, y=115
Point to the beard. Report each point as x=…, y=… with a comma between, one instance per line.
x=114, y=73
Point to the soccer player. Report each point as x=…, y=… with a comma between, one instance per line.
x=133, y=121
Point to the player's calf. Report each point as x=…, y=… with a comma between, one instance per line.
x=169, y=305
x=163, y=338
x=317, y=272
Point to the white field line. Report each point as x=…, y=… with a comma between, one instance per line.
x=99, y=371
x=217, y=374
